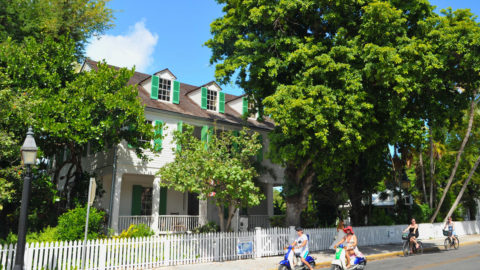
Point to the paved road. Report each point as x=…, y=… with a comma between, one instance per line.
x=465, y=258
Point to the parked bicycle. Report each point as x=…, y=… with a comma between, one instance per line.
x=448, y=243
x=413, y=250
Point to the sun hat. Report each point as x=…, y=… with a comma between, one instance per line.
x=348, y=228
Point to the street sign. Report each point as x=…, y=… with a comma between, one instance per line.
x=91, y=193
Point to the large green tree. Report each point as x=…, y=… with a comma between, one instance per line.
x=40, y=86
x=339, y=79
x=220, y=166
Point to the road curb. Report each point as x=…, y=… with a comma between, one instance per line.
x=376, y=257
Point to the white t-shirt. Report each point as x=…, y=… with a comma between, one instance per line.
x=300, y=241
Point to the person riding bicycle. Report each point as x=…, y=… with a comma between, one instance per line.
x=413, y=234
x=351, y=248
x=302, y=246
x=451, y=228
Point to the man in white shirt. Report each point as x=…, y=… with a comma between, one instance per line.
x=301, y=246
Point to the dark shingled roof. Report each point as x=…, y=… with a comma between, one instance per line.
x=187, y=106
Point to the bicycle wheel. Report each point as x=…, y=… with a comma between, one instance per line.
x=446, y=243
x=406, y=248
x=456, y=243
x=419, y=250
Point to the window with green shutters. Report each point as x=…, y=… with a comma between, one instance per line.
x=176, y=92
x=154, y=89
x=157, y=141
x=180, y=129
x=141, y=200
x=221, y=106
x=204, y=98
x=244, y=106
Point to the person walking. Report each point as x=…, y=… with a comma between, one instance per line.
x=340, y=233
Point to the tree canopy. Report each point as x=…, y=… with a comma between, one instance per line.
x=344, y=82
x=220, y=167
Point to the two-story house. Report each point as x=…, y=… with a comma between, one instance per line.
x=132, y=190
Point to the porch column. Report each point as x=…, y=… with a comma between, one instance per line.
x=155, y=203
x=269, y=195
x=202, y=212
x=116, y=200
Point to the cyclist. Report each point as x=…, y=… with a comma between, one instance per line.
x=413, y=234
x=451, y=229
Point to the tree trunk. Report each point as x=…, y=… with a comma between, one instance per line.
x=432, y=169
x=457, y=160
x=302, y=178
x=231, y=212
x=221, y=218
x=464, y=187
x=422, y=176
x=293, y=211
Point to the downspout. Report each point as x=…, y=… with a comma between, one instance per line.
x=112, y=191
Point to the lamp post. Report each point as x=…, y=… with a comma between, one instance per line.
x=29, y=156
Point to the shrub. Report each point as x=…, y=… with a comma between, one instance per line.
x=49, y=234
x=138, y=230
x=71, y=225
x=207, y=228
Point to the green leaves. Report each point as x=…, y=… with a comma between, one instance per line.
x=220, y=168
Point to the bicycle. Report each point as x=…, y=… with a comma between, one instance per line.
x=406, y=246
x=449, y=243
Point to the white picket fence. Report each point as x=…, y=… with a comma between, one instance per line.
x=157, y=251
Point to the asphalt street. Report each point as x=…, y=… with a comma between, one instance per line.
x=465, y=258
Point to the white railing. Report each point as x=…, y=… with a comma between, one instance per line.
x=124, y=222
x=262, y=221
x=177, y=249
x=177, y=223
x=166, y=223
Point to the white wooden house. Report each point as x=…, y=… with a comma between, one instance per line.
x=132, y=191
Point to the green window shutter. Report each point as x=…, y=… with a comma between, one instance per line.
x=162, y=210
x=179, y=128
x=157, y=142
x=154, y=90
x=204, y=136
x=176, y=92
x=221, y=107
x=245, y=106
x=137, y=200
x=260, y=152
x=204, y=98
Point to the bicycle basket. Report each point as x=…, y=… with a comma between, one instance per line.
x=446, y=233
x=405, y=236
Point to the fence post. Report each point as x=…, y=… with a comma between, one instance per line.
x=216, y=252
x=102, y=256
x=258, y=242
x=292, y=234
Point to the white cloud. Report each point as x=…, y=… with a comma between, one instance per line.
x=135, y=48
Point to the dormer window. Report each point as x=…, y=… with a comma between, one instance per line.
x=164, y=87
x=211, y=100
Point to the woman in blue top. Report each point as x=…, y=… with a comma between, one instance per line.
x=451, y=228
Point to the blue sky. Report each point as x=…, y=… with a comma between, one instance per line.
x=158, y=34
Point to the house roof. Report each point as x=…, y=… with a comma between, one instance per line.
x=187, y=106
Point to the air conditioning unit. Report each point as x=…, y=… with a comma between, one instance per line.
x=243, y=224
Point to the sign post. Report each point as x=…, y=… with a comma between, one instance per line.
x=92, y=187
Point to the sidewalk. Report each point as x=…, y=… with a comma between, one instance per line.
x=324, y=258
